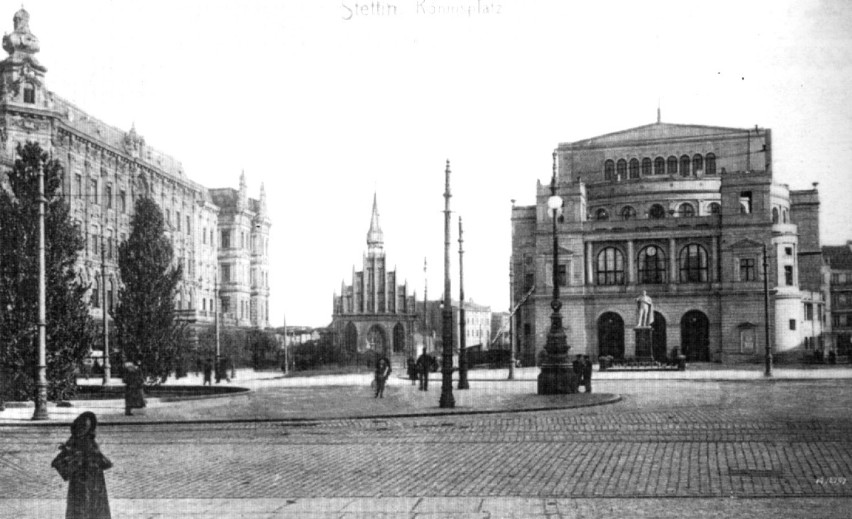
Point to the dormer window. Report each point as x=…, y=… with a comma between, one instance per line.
x=29, y=94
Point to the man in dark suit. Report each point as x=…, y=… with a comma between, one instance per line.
x=423, y=363
x=587, y=373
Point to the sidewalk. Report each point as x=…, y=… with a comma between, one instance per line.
x=445, y=508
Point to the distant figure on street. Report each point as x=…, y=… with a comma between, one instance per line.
x=134, y=394
x=208, y=372
x=81, y=463
x=424, y=362
x=383, y=370
x=587, y=373
x=411, y=366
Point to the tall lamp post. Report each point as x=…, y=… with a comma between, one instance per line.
x=511, y=305
x=768, y=347
x=40, y=412
x=553, y=378
x=462, y=323
x=104, y=312
x=447, y=400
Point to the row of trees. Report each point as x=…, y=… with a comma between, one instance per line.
x=146, y=330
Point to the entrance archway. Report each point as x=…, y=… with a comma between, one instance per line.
x=350, y=338
x=611, y=335
x=376, y=340
x=398, y=338
x=695, y=336
x=658, y=337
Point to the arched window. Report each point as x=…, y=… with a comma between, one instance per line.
x=628, y=213
x=601, y=214
x=693, y=264
x=646, y=167
x=715, y=208
x=610, y=267
x=710, y=166
x=774, y=215
x=659, y=166
x=784, y=216
x=672, y=165
x=652, y=265
x=609, y=170
x=657, y=211
x=684, y=165
x=685, y=210
x=621, y=169
x=634, y=168
x=697, y=163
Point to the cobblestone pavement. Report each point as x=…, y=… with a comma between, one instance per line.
x=724, y=446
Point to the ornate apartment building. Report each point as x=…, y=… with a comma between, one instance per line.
x=374, y=313
x=682, y=212
x=106, y=169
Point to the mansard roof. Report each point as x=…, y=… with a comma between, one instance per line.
x=650, y=133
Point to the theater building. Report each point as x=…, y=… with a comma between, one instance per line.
x=683, y=212
x=107, y=168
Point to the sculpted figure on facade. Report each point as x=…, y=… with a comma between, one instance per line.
x=644, y=310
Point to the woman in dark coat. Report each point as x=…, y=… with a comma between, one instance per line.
x=134, y=395
x=81, y=463
x=411, y=366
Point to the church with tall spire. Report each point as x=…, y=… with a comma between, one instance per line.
x=374, y=312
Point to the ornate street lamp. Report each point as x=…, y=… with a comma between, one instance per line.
x=553, y=378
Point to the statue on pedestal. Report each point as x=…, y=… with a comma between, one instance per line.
x=644, y=310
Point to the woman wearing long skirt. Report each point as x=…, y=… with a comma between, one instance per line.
x=81, y=463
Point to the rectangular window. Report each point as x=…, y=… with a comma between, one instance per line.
x=745, y=202
x=792, y=324
x=95, y=249
x=226, y=305
x=562, y=275
x=177, y=218
x=226, y=239
x=168, y=218
x=122, y=201
x=93, y=190
x=188, y=229
x=108, y=195
x=747, y=270
x=809, y=311
x=204, y=236
x=79, y=181
x=835, y=320
x=788, y=275
x=226, y=273
x=788, y=251
x=529, y=280
x=29, y=94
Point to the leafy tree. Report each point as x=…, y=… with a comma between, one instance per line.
x=146, y=329
x=70, y=330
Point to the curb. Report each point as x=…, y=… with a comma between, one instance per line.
x=308, y=422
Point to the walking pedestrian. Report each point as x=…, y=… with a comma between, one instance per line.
x=208, y=372
x=412, y=370
x=423, y=365
x=134, y=394
x=81, y=463
x=587, y=373
x=383, y=370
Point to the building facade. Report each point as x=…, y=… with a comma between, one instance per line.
x=839, y=271
x=106, y=169
x=684, y=213
x=374, y=313
x=477, y=320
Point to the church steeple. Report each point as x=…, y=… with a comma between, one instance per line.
x=375, y=238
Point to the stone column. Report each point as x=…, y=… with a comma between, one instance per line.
x=631, y=264
x=590, y=268
x=672, y=261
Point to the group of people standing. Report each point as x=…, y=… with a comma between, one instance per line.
x=419, y=370
x=582, y=367
x=221, y=370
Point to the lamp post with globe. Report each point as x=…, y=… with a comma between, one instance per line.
x=554, y=376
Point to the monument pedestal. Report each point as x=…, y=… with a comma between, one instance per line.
x=557, y=377
x=644, y=346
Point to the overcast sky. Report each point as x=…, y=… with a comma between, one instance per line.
x=327, y=101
